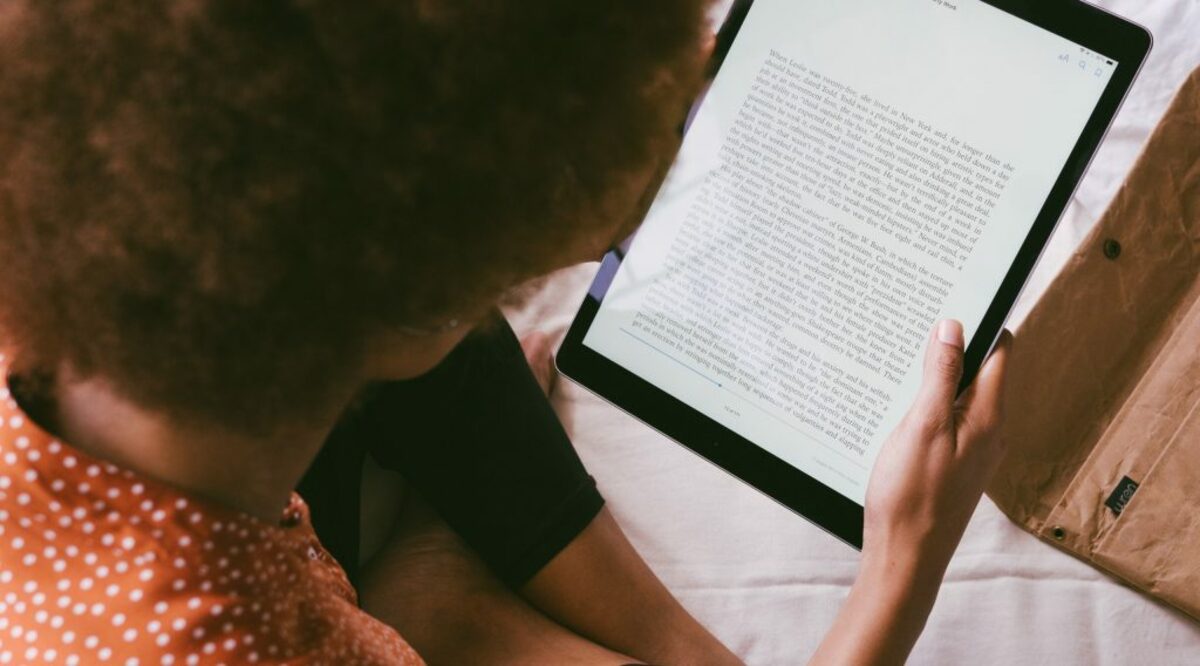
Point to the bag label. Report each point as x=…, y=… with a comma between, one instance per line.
x=1121, y=495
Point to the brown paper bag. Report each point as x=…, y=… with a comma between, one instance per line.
x=1103, y=423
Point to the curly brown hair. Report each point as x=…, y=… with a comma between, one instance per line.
x=213, y=203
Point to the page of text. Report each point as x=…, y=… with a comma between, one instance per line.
x=858, y=170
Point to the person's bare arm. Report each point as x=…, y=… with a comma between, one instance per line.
x=425, y=582
x=434, y=590
x=601, y=588
x=924, y=487
x=596, y=603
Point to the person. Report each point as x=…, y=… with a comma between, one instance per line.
x=223, y=224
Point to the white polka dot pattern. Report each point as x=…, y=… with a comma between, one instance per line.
x=99, y=565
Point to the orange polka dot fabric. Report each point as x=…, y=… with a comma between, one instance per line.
x=100, y=565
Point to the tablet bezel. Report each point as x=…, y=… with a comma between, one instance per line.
x=1077, y=21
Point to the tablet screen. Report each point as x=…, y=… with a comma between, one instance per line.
x=857, y=170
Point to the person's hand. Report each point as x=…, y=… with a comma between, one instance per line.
x=926, y=482
x=933, y=468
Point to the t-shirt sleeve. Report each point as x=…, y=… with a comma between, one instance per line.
x=479, y=440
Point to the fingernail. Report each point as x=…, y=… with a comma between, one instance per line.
x=950, y=332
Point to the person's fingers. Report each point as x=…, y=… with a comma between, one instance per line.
x=942, y=372
x=983, y=408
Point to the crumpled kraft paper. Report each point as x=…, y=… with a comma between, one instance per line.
x=1103, y=401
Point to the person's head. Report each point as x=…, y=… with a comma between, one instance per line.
x=225, y=207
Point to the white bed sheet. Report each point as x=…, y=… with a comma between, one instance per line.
x=769, y=583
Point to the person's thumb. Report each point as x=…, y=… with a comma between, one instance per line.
x=942, y=372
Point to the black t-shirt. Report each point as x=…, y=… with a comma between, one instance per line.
x=478, y=439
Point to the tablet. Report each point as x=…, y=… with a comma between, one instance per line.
x=856, y=171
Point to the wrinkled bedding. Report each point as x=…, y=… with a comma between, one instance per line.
x=768, y=583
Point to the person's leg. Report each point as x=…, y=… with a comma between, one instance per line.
x=427, y=584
